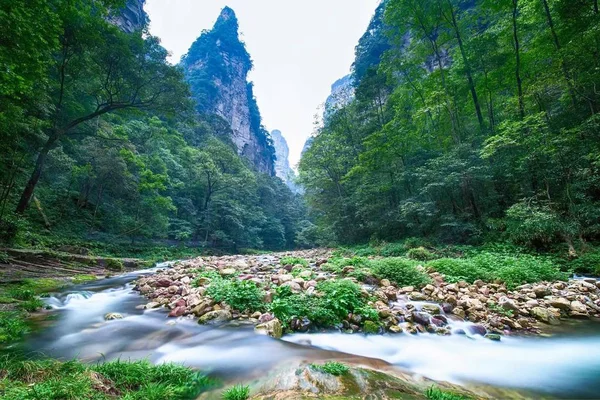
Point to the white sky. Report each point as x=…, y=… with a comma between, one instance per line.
x=299, y=48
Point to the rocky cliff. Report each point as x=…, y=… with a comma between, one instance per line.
x=217, y=66
x=282, y=163
x=131, y=17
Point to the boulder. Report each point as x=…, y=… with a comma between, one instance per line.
x=560, y=303
x=385, y=283
x=578, y=307
x=152, y=304
x=294, y=286
x=227, y=271
x=177, y=311
x=541, y=291
x=271, y=328
x=163, y=283
x=215, y=317
x=112, y=316
x=544, y=315
x=417, y=296
x=508, y=304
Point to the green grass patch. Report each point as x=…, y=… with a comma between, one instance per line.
x=512, y=269
x=12, y=326
x=83, y=278
x=400, y=271
x=331, y=367
x=293, y=261
x=237, y=392
x=51, y=379
x=435, y=393
x=240, y=295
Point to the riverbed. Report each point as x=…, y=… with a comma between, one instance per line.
x=566, y=365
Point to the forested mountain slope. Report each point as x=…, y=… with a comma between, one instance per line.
x=101, y=140
x=472, y=120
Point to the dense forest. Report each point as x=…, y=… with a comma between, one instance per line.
x=102, y=140
x=471, y=121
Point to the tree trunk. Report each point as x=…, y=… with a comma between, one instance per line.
x=35, y=176
x=515, y=14
x=467, y=67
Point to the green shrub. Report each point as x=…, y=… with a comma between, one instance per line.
x=240, y=295
x=401, y=271
x=586, y=263
x=392, y=250
x=370, y=327
x=435, y=393
x=513, y=270
x=31, y=305
x=237, y=392
x=420, y=254
x=114, y=264
x=12, y=326
x=332, y=367
x=414, y=242
x=339, y=298
x=293, y=261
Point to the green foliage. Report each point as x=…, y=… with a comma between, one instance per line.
x=400, y=271
x=240, y=295
x=50, y=379
x=114, y=265
x=481, y=126
x=420, y=254
x=513, y=270
x=337, y=299
x=371, y=327
x=293, y=261
x=237, y=392
x=435, y=393
x=587, y=263
x=332, y=367
x=499, y=310
x=12, y=326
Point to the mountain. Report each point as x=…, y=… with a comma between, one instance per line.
x=342, y=93
x=282, y=163
x=131, y=17
x=216, y=67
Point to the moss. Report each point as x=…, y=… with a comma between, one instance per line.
x=370, y=327
x=83, y=278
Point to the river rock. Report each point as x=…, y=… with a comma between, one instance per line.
x=385, y=283
x=560, y=303
x=432, y=309
x=508, y=304
x=271, y=328
x=541, y=291
x=227, y=271
x=422, y=318
x=578, y=307
x=152, y=304
x=417, y=296
x=112, y=316
x=305, y=274
x=544, y=315
x=215, y=317
x=285, y=278
x=294, y=286
x=163, y=283
x=493, y=336
x=177, y=311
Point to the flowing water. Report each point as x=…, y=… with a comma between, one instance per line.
x=566, y=365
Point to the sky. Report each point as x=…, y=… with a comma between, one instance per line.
x=299, y=49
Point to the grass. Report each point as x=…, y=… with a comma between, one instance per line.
x=240, y=295
x=83, y=278
x=331, y=367
x=293, y=261
x=51, y=379
x=435, y=393
x=237, y=392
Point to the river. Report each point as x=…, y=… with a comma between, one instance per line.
x=566, y=365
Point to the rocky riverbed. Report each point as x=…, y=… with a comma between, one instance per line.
x=440, y=307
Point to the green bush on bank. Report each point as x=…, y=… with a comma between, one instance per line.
x=51, y=379
x=338, y=299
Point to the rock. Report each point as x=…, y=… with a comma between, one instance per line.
x=493, y=336
x=477, y=330
x=265, y=318
x=541, y=291
x=202, y=281
x=177, y=311
x=163, y=283
x=422, y=318
x=185, y=280
x=578, y=307
x=173, y=289
x=271, y=328
x=385, y=283
x=407, y=289
x=214, y=317
x=152, y=304
x=227, y=271
x=285, y=278
x=193, y=300
x=305, y=274
x=145, y=289
x=508, y=304
x=417, y=296
x=524, y=322
x=560, y=303
x=479, y=283
x=542, y=314
x=559, y=286
x=294, y=286
x=453, y=287
x=300, y=325
x=395, y=329
x=459, y=312
x=112, y=316
x=432, y=309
